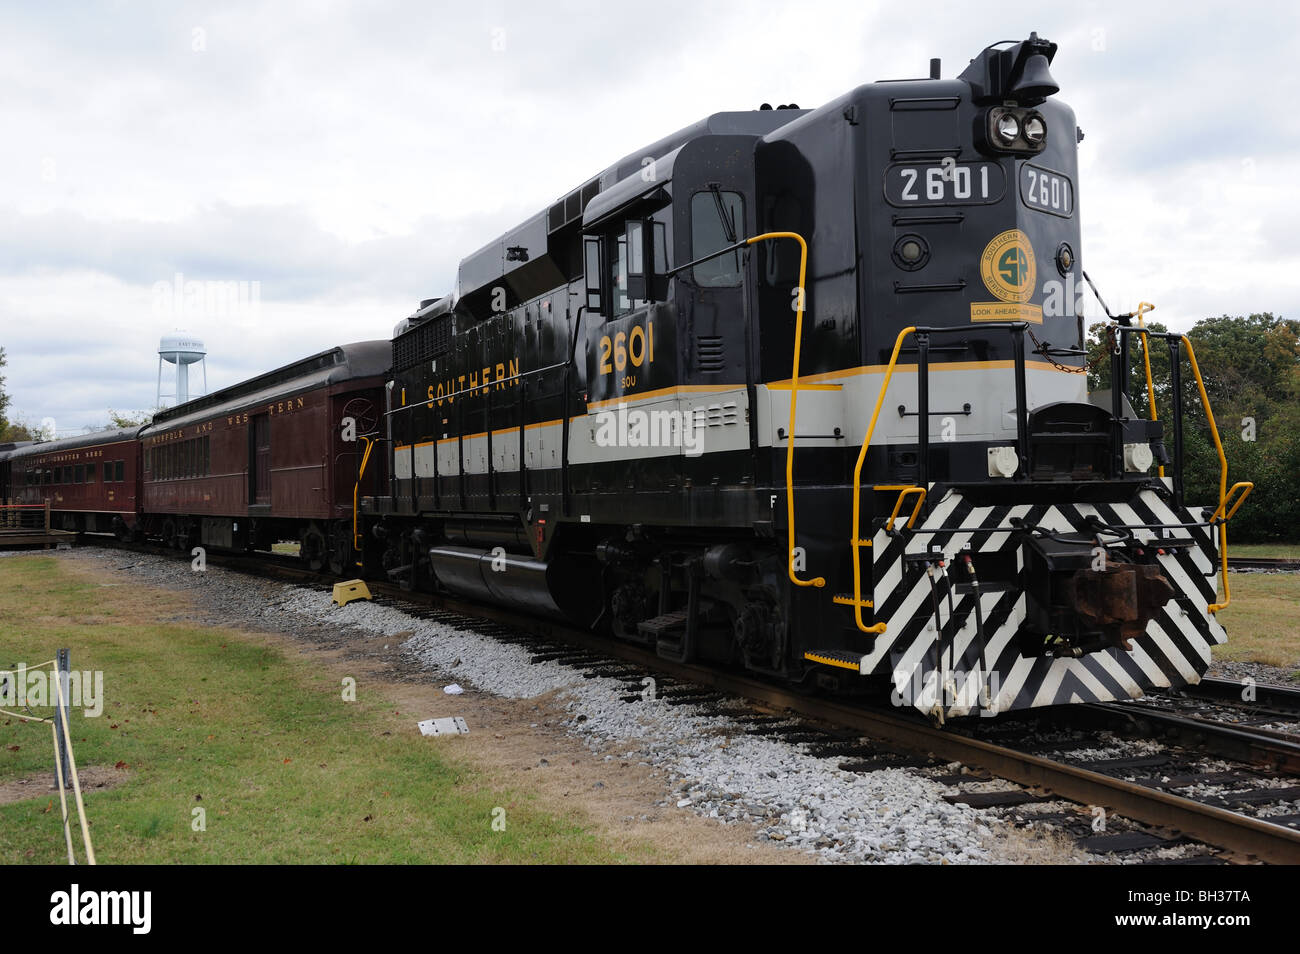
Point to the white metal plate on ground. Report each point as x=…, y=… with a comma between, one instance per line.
x=452, y=725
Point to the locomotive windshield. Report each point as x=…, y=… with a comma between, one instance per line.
x=714, y=215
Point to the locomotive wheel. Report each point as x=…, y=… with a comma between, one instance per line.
x=340, y=551
x=408, y=557
x=313, y=549
x=627, y=608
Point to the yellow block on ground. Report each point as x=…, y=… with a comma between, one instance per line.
x=349, y=590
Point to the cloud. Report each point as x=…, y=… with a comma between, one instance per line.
x=345, y=156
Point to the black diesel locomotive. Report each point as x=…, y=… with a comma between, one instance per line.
x=802, y=391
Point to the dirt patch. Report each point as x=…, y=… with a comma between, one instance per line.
x=93, y=778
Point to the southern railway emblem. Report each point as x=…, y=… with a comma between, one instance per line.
x=1007, y=266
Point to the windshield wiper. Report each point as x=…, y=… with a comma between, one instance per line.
x=728, y=222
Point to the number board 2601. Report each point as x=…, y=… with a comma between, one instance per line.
x=910, y=184
x=1046, y=190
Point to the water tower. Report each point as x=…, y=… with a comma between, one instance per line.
x=182, y=350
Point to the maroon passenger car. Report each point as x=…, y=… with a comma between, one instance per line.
x=269, y=459
x=92, y=481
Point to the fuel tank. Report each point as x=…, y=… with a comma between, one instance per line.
x=518, y=581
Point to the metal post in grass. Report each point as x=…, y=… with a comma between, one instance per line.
x=62, y=668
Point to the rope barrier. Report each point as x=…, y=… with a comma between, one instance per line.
x=76, y=782
x=62, y=707
x=63, y=795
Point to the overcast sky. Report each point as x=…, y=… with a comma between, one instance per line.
x=345, y=156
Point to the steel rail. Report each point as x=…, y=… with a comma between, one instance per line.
x=1265, y=694
x=1262, y=563
x=1275, y=751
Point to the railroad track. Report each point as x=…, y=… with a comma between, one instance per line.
x=1262, y=731
x=1147, y=799
x=1282, y=700
x=1263, y=563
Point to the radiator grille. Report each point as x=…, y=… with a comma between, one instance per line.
x=422, y=343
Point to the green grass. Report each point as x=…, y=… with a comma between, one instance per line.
x=286, y=771
x=1263, y=619
x=1286, y=551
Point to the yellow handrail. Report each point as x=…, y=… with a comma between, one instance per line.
x=921, y=492
x=857, y=490
x=1239, y=485
x=356, y=535
x=1144, y=307
x=817, y=581
x=1223, y=479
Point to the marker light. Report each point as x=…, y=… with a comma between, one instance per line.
x=1003, y=461
x=1138, y=458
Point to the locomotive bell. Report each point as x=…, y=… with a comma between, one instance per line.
x=1017, y=72
x=1035, y=80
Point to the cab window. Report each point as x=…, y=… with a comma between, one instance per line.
x=591, y=258
x=717, y=220
x=621, y=304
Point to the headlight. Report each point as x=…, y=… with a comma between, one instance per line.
x=1035, y=129
x=1008, y=128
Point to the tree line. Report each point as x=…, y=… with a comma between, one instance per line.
x=1251, y=369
